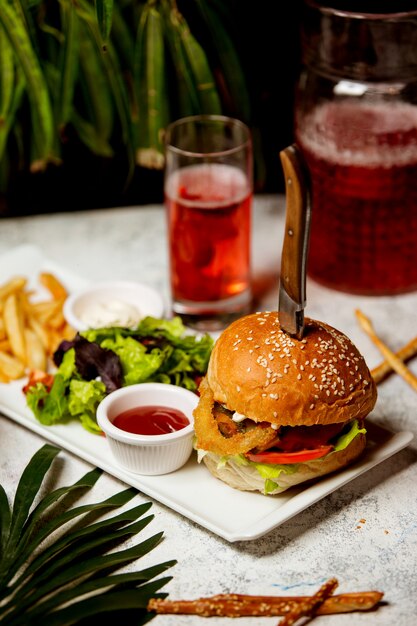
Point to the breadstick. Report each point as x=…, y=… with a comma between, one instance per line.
x=240, y=605
x=389, y=355
x=309, y=607
x=407, y=352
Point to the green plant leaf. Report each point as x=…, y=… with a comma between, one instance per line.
x=188, y=100
x=90, y=136
x=69, y=566
x=70, y=577
x=42, y=116
x=123, y=37
x=24, y=552
x=208, y=96
x=27, y=544
x=27, y=489
x=95, y=583
x=116, y=81
x=5, y=518
x=7, y=74
x=12, y=87
x=68, y=62
x=98, y=102
x=235, y=82
x=151, y=88
x=110, y=602
x=104, y=11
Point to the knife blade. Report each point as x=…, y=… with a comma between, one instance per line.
x=292, y=285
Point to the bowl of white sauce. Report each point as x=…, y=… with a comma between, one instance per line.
x=121, y=303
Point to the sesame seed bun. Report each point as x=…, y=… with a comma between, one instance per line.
x=261, y=372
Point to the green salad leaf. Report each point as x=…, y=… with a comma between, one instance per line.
x=98, y=361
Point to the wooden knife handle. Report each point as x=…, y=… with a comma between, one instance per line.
x=297, y=225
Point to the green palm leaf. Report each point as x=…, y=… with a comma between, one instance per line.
x=199, y=68
x=68, y=62
x=104, y=12
x=150, y=88
x=235, y=82
x=42, y=117
x=95, y=123
x=70, y=578
x=115, y=78
x=188, y=99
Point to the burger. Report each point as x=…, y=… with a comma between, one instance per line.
x=275, y=411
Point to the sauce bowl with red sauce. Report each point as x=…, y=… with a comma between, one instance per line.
x=149, y=426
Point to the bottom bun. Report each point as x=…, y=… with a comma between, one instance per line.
x=247, y=477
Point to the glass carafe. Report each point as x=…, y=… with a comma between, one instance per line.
x=356, y=123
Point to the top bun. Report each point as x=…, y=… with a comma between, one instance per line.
x=258, y=370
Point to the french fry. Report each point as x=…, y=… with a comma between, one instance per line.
x=4, y=378
x=386, y=352
x=11, y=367
x=53, y=285
x=12, y=286
x=57, y=321
x=30, y=329
x=14, y=325
x=67, y=332
x=5, y=345
x=55, y=338
x=39, y=329
x=46, y=310
x=36, y=353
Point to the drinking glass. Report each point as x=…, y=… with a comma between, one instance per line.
x=208, y=192
x=356, y=123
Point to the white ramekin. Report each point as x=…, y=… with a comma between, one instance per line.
x=148, y=454
x=143, y=297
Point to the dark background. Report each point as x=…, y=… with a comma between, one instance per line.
x=266, y=34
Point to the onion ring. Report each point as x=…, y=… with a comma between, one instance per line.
x=210, y=438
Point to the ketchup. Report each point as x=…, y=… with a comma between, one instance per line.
x=151, y=420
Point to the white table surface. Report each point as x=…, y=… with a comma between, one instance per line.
x=364, y=534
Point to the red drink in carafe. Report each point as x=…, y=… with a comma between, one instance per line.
x=363, y=165
x=209, y=209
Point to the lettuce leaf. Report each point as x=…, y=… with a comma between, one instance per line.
x=51, y=406
x=83, y=399
x=137, y=364
x=346, y=438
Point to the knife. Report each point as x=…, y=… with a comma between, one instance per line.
x=292, y=286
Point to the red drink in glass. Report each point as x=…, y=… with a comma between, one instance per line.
x=363, y=164
x=209, y=216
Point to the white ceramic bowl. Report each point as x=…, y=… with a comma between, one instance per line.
x=103, y=303
x=148, y=454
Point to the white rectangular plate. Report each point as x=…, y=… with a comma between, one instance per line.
x=190, y=491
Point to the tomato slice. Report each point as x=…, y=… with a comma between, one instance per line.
x=36, y=376
x=286, y=458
